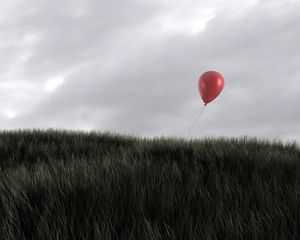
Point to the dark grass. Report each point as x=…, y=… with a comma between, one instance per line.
x=74, y=185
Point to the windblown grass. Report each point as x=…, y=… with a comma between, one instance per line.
x=75, y=185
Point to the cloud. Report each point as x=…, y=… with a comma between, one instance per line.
x=133, y=67
x=52, y=84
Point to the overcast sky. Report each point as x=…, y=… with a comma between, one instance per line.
x=132, y=66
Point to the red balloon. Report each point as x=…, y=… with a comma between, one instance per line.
x=210, y=85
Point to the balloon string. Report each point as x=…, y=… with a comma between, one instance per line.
x=196, y=119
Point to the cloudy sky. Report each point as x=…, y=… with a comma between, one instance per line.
x=132, y=66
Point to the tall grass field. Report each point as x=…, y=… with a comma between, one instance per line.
x=59, y=184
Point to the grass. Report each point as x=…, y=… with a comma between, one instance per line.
x=75, y=185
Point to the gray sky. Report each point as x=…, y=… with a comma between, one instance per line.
x=132, y=67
